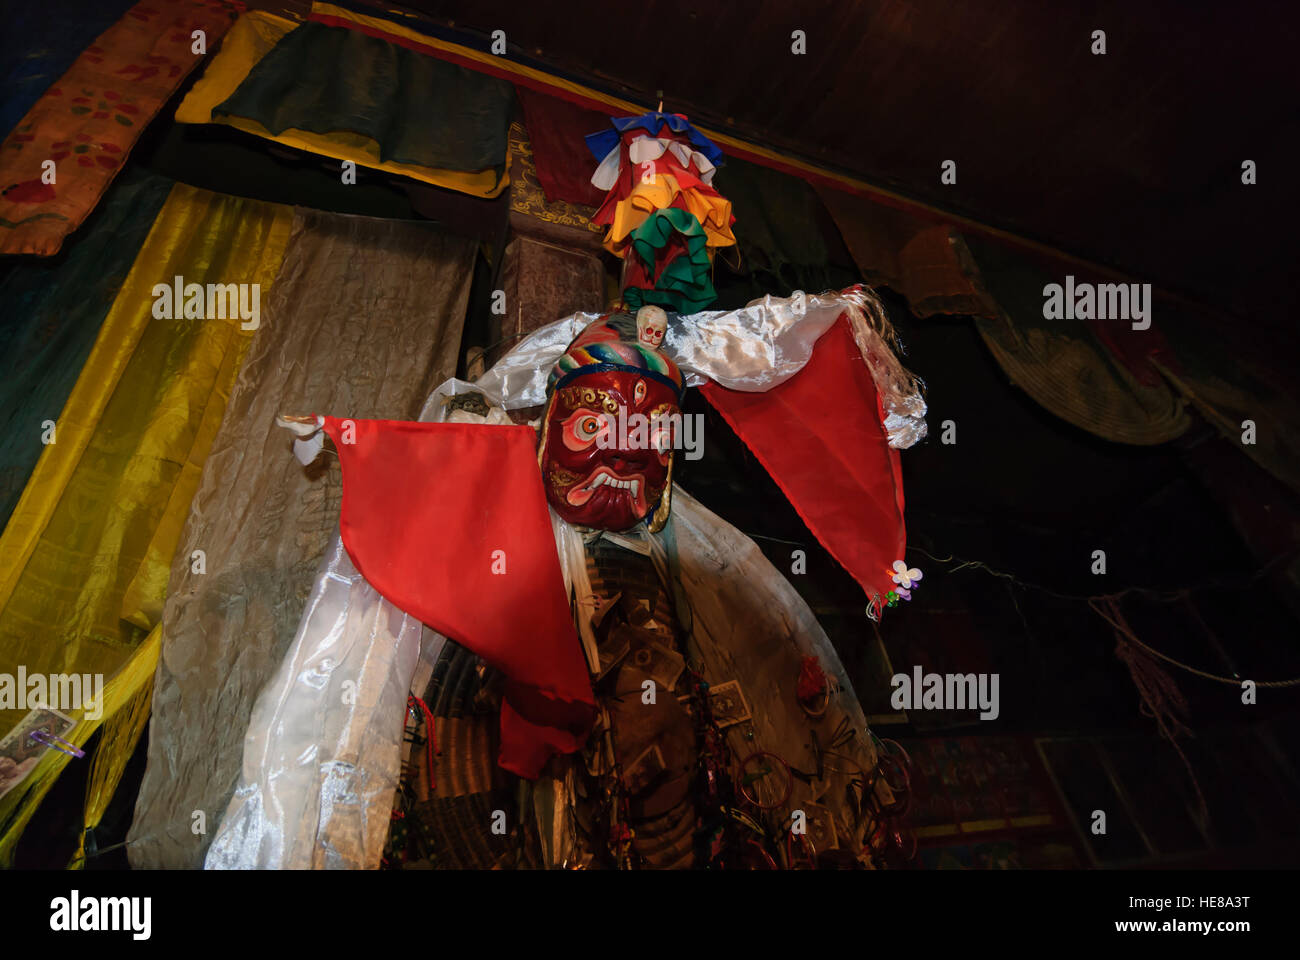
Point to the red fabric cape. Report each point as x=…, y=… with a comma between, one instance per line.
x=821, y=437
x=448, y=521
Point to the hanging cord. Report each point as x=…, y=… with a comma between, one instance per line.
x=1164, y=596
x=1161, y=698
x=431, y=742
x=1131, y=638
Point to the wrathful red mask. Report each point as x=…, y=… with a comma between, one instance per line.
x=596, y=475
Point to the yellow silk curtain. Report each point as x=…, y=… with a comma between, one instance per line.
x=85, y=559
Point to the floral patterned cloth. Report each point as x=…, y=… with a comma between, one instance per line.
x=90, y=119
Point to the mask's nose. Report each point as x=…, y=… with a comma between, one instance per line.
x=627, y=461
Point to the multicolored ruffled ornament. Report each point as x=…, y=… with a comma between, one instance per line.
x=664, y=217
x=668, y=264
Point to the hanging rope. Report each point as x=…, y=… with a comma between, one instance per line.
x=1166, y=595
x=1093, y=601
x=1234, y=681
x=1161, y=698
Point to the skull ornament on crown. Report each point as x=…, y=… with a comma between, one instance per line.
x=651, y=325
x=606, y=454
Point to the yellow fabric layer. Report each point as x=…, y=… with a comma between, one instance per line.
x=85, y=558
x=714, y=213
x=249, y=40
x=117, y=740
x=252, y=37
x=132, y=694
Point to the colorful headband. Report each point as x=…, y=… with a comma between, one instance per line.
x=610, y=344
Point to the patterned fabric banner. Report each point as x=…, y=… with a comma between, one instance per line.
x=60, y=158
x=1061, y=363
x=557, y=130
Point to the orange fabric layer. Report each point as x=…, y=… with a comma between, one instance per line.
x=705, y=204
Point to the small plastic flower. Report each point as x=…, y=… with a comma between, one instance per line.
x=905, y=593
x=902, y=575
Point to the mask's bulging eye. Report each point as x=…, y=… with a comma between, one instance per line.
x=582, y=428
x=638, y=392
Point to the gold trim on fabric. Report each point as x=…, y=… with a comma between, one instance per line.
x=591, y=397
x=665, y=507
x=526, y=194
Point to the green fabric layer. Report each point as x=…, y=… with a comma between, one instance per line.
x=1061, y=363
x=783, y=231
x=54, y=307
x=684, y=284
x=420, y=110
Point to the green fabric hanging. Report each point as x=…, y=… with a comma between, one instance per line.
x=54, y=307
x=1061, y=363
x=418, y=109
x=783, y=230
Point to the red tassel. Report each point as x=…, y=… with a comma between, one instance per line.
x=812, y=679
